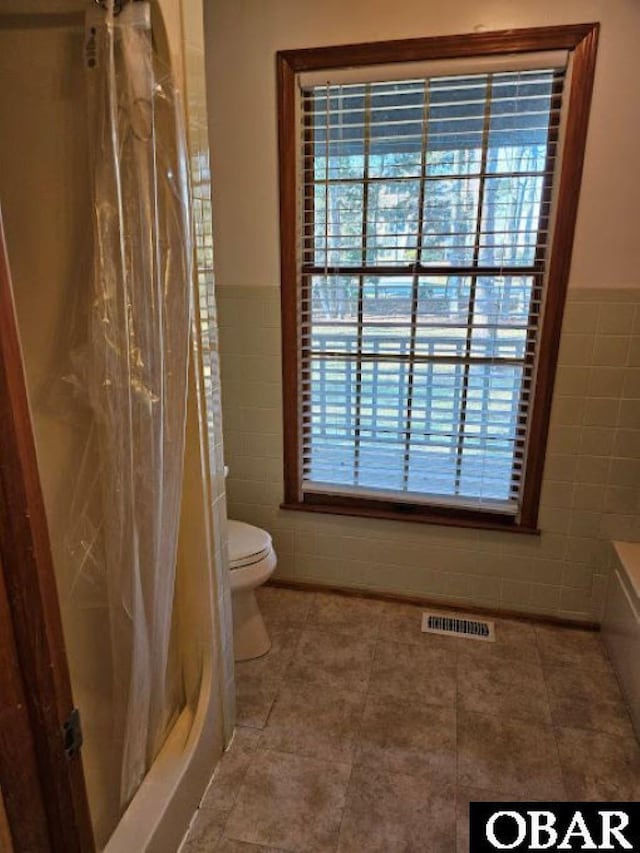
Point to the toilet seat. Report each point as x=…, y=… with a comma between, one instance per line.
x=252, y=575
x=247, y=544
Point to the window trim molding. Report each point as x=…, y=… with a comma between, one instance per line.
x=581, y=40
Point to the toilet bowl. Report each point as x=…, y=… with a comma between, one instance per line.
x=252, y=561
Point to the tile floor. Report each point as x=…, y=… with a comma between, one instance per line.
x=359, y=733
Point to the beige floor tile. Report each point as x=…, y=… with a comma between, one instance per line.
x=410, y=738
x=284, y=606
x=491, y=684
x=229, y=775
x=290, y=802
x=315, y=720
x=272, y=666
x=513, y=641
x=390, y=813
x=402, y=623
x=333, y=660
x=420, y=673
x=258, y=681
x=346, y=614
x=598, y=766
x=582, y=650
x=515, y=755
x=587, y=700
x=204, y=835
x=254, y=700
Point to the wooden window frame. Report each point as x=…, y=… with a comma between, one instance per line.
x=581, y=40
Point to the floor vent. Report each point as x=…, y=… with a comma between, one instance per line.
x=459, y=626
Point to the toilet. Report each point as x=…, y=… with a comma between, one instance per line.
x=252, y=561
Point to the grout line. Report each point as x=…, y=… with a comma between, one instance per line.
x=345, y=805
x=202, y=808
x=554, y=728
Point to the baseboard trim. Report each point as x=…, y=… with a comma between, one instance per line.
x=425, y=601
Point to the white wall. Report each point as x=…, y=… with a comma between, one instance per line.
x=243, y=36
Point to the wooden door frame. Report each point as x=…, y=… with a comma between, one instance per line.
x=19, y=780
x=32, y=643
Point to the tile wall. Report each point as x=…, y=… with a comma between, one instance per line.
x=591, y=491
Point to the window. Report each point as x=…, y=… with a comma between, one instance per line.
x=428, y=202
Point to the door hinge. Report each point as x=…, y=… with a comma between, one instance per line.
x=72, y=734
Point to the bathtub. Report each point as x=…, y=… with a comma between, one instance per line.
x=621, y=624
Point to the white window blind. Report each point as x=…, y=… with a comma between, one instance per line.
x=425, y=209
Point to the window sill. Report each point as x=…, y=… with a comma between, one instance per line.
x=417, y=513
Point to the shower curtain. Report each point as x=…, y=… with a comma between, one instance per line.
x=134, y=373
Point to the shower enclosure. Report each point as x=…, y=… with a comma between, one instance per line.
x=116, y=338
